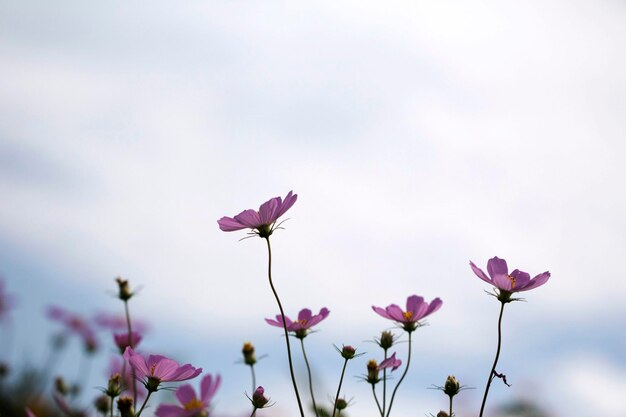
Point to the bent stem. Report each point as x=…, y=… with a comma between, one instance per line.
x=282, y=315
x=495, y=361
x=308, y=368
x=408, y=362
x=343, y=371
x=130, y=343
x=380, y=410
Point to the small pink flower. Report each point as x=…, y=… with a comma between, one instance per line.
x=416, y=309
x=118, y=323
x=262, y=222
x=259, y=400
x=507, y=283
x=156, y=369
x=75, y=324
x=122, y=340
x=305, y=321
x=390, y=362
x=191, y=404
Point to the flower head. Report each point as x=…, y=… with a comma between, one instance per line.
x=416, y=309
x=305, y=321
x=75, y=324
x=390, y=362
x=191, y=404
x=262, y=222
x=506, y=283
x=259, y=400
x=156, y=369
x=122, y=340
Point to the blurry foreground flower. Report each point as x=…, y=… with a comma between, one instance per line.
x=416, y=309
x=192, y=405
x=122, y=341
x=75, y=324
x=262, y=222
x=506, y=283
x=390, y=362
x=156, y=369
x=305, y=321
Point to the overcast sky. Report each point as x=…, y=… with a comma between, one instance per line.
x=418, y=135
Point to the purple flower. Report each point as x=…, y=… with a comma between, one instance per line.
x=305, y=321
x=507, y=283
x=390, y=362
x=118, y=323
x=416, y=309
x=75, y=324
x=191, y=404
x=263, y=222
x=122, y=341
x=156, y=369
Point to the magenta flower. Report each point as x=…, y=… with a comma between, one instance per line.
x=305, y=321
x=75, y=324
x=262, y=222
x=122, y=340
x=416, y=309
x=191, y=404
x=390, y=362
x=507, y=283
x=118, y=323
x=259, y=400
x=156, y=369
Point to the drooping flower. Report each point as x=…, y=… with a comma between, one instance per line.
x=75, y=324
x=506, y=283
x=390, y=362
x=156, y=369
x=416, y=309
x=305, y=321
x=122, y=340
x=192, y=405
x=262, y=222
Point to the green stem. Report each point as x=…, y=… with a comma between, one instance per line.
x=253, y=412
x=130, y=343
x=308, y=368
x=253, y=377
x=384, y=387
x=380, y=410
x=144, y=403
x=112, y=398
x=450, y=406
x=343, y=371
x=495, y=361
x=408, y=362
x=282, y=314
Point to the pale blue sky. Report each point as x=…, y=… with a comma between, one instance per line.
x=418, y=135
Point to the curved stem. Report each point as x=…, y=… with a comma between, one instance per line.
x=380, y=410
x=408, y=362
x=308, y=368
x=253, y=412
x=144, y=403
x=130, y=343
x=282, y=314
x=495, y=361
x=384, y=387
x=343, y=371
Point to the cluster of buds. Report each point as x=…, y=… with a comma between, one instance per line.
x=248, y=354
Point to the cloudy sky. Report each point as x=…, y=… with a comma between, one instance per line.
x=418, y=135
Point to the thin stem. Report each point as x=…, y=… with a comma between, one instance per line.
x=112, y=406
x=144, y=403
x=130, y=343
x=308, y=368
x=380, y=410
x=408, y=362
x=282, y=314
x=253, y=412
x=495, y=361
x=384, y=387
x=450, y=414
x=343, y=371
x=253, y=377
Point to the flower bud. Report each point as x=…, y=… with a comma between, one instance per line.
x=124, y=290
x=348, y=352
x=451, y=387
x=102, y=404
x=114, y=388
x=60, y=386
x=258, y=399
x=386, y=340
x=125, y=406
x=442, y=414
x=248, y=354
x=341, y=404
x=372, y=372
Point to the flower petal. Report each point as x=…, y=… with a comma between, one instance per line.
x=137, y=362
x=286, y=204
x=169, y=410
x=434, y=306
x=479, y=273
x=249, y=218
x=382, y=312
x=209, y=386
x=497, y=266
x=228, y=224
x=521, y=279
x=396, y=313
x=185, y=394
x=268, y=210
x=536, y=281
x=503, y=282
x=413, y=303
x=305, y=314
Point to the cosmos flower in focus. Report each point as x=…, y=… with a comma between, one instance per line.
x=155, y=369
x=416, y=309
x=305, y=321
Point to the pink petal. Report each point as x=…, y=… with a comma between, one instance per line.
x=290, y=199
x=413, y=302
x=249, y=218
x=185, y=394
x=382, y=312
x=137, y=362
x=268, y=210
x=497, y=266
x=165, y=369
x=228, y=224
x=305, y=314
x=479, y=273
x=396, y=313
x=521, y=279
x=185, y=372
x=208, y=387
x=434, y=306
x=168, y=410
x=537, y=281
x=503, y=282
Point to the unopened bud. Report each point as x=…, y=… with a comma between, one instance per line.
x=248, y=354
x=442, y=414
x=102, y=404
x=451, y=387
x=386, y=340
x=372, y=372
x=124, y=290
x=258, y=399
x=341, y=404
x=114, y=388
x=125, y=406
x=348, y=352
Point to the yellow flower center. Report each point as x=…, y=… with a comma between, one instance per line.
x=152, y=369
x=407, y=315
x=512, y=281
x=193, y=404
x=302, y=322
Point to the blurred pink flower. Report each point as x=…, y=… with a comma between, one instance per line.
x=156, y=369
x=416, y=309
x=305, y=321
x=116, y=366
x=118, y=323
x=263, y=222
x=121, y=340
x=74, y=324
x=507, y=283
x=191, y=404
x=390, y=362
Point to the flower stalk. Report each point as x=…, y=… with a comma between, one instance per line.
x=495, y=362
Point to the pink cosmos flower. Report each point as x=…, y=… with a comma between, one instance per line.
x=416, y=309
x=75, y=324
x=305, y=321
x=156, y=369
x=118, y=323
x=121, y=340
x=263, y=222
x=507, y=283
x=191, y=404
x=116, y=366
x=390, y=362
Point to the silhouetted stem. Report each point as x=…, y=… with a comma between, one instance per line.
x=308, y=368
x=253, y=412
x=384, y=387
x=144, y=403
x=343, y=371
x=380, y=410
x=282, y=314
x=130, y=343
x=495, y=361
x=253, y=377
x=450, y=406
x=408, y=362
